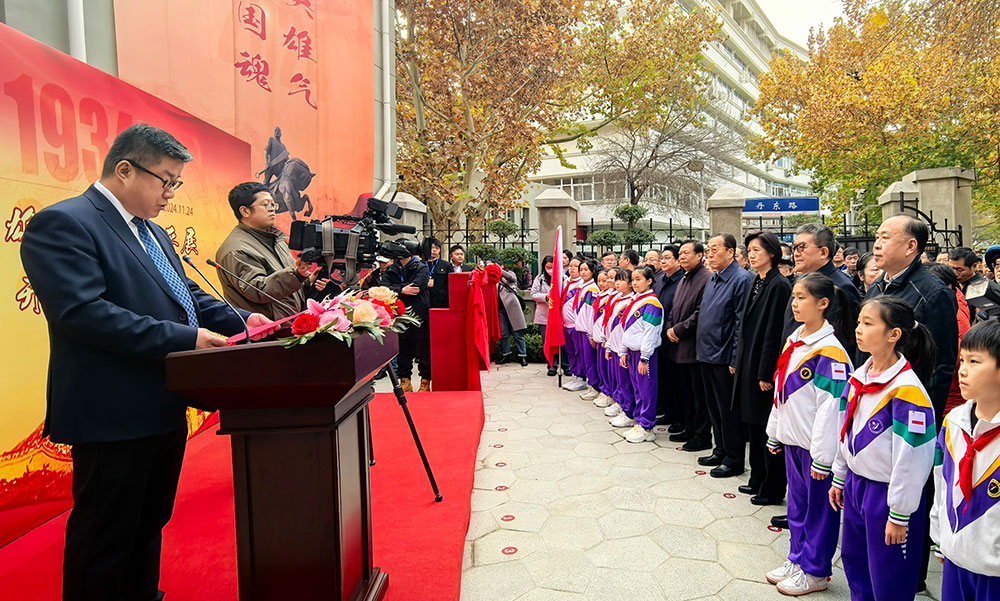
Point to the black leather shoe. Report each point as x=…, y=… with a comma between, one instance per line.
x=712, y=459
x=759, y=500
x=693, y=446
x=724, y=471
x=747, y=489
x=551, y=372
x=780, y=521
x=680, y=437
x=675, y=429
x=524, y=361
x=661, y=420
x=504, y=359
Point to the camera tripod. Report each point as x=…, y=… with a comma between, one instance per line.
x=397, y=389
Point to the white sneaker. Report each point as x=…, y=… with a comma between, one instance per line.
x=801, y=584
x=639, y=434
x=590, y=394
x=603, y=401
x=787, y=570
x=575, y=384
x=613, y=409
x=622, y=421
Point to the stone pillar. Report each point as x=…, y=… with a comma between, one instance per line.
x=413, y=214
x=725, y=212
x=895, y=196
x=944, y=194
x=556, y=208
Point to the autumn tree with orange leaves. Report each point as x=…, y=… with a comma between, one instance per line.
x=485, y=87
x=892, y=87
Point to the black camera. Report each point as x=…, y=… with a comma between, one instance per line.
x=355, y=247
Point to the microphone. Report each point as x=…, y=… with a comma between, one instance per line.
x=246, y=328
x=395, y=228
x=212, y=263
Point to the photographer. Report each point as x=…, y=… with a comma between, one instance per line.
x=408, y=277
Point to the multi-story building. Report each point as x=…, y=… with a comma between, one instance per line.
x=735, y=65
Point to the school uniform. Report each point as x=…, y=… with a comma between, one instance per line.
x=584, y=321
x=569, y=293
x=598, y=334
x=965, y=515
x=883, y=461
x=643, y=322
x=624, y=394
x=809, y=382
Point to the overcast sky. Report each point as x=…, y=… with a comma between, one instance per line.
x=793, y=18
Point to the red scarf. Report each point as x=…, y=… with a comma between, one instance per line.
x=579, y=295
x=859, y=391
x=609, y=312
x=965, y=465
x=779, y=373
x=628, y=310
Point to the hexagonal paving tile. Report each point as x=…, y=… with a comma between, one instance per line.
x=547, y=594
x=644, y=460
x=683, y=513
x=625, y=446
x=581, y=484
x=481, y=523
x=487, y=499
x=690, y=490
x=743, y=590
x=736, y=505
x=534, y=491
x=616, y=584
x=640, y=477
x=682, y=579
x=626, y=497
x=567, y=532
x=560, y=569
x=550, y=472
x=491, y=548
x=680, y=541
x=748, y=562
x=490, y=479
x=581, y=506
x=595, y=449
x=638, y=553
x=622, y=523
x=741, y=530
x=566, y=429
x=500, y=582
x=525, y=517
x=588, y=465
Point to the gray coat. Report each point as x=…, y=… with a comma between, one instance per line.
x=509, y=303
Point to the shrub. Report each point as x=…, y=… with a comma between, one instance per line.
x=482, y=252
x=513, y=254
x=605, y=238
x=637, y=236
x=630, y=213
x=501, y=228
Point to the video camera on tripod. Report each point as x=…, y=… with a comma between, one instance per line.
x=355, y=247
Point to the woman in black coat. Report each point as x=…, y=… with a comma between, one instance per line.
x=759, y=344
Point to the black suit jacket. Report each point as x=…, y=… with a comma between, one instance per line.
x=112, y=320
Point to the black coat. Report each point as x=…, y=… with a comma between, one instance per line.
x=758, y=346
x=684, y=315
x=438, y=272
x=397, y=276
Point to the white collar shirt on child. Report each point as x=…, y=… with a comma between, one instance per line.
x=890, y=438
x=570, y=290
x=643, y=324
x=968, y=534
x=806, y=410
x=585, y=306
x=616, y=325
x=604, y=301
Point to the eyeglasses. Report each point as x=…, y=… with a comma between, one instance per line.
x=267, y=206
x=800, y=247
x=167, y=184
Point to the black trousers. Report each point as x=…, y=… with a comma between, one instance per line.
x=696, y=420
x=415, y=343
x=727, y=427
x=671, y=388
x=123, y=496
x=564, y=357
x=767, y=471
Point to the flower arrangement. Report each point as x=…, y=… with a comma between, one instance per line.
x=373, y=311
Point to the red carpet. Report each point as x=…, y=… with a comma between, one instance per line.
x=417, y=541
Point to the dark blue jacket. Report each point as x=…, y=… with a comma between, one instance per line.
x=720, y=314
x=112, y=320
x=844, y=282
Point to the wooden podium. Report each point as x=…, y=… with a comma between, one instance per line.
x=300, y=438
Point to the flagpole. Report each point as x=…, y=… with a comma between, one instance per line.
x=559, y=368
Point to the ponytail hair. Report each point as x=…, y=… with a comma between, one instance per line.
x=837, y=311
x=646, y=271
x=592, y=265
x=624, y=275
x=915, y=343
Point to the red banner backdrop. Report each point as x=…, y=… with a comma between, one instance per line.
x=58, y=117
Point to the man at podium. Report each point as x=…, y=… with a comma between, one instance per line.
x=116, y=300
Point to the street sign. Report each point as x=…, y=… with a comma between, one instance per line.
x=782, y=205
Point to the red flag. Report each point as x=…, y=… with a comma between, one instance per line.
x=554, y=331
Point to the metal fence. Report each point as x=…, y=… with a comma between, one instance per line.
x=526, y=238
x=662, y=235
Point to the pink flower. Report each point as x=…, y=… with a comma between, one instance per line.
x=315, y=308
x=385, y=320
x=337, y=318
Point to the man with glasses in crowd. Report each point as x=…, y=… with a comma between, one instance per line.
x=257, y=252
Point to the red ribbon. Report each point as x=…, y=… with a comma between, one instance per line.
x=859, y=391
x=779, y=373
x=965, y=465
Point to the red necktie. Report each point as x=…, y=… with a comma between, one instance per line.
x=965, y=465
x=859, y=391
x=628, y=310
x=609, y=312
x=779, y=373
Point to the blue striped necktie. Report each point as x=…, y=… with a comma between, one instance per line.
x=181, y=292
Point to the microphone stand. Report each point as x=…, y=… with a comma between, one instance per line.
x=246, y=328
x=212, y=263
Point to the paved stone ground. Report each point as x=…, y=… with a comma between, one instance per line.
x=564, y=509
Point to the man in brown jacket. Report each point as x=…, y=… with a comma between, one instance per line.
x=681, y=328
x=258, y=253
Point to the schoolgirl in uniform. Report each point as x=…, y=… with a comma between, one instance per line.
x=569, y=295
x=885, y=453
x=965, y=515
x=598, y=335
x=584, y=321
x=808, y=384
x=643, y=319
x=622, y=385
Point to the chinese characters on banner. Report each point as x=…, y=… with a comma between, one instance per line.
x=295, y=40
